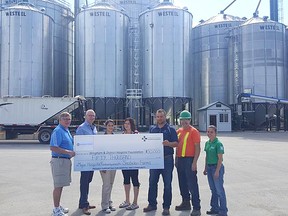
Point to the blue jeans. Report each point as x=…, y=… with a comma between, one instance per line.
x=218, y=198
x=188, y=181
x=85, y=179
x=167, y=179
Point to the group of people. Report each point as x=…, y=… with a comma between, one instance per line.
x=186, y=140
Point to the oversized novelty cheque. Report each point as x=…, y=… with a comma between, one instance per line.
x=118, y=151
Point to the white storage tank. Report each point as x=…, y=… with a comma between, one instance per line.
x=258, y=59
x=210, y=59
x=26, y=48
x=101, y=52
x=63, y=41
x=63, y=55
x=165, y=50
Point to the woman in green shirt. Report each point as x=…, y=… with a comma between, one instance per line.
x=214, y=169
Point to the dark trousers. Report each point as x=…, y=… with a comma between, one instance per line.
x=188, y=182
x=167, y=179
x=85, y=179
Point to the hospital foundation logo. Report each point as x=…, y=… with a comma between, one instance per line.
x=147, y=138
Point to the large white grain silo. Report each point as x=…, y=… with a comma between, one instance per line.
x=26, y=48
x=102, y=57
x=165, y=58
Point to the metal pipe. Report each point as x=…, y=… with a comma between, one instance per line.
x=276, y=100
x=76, y=7
x=255, y=14
x=274, y=10
x=222, y=11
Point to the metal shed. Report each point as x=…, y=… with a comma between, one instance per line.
x=218, y=114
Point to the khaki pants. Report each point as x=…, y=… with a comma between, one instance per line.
x=108, y=177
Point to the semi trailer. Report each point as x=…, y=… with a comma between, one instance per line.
x=29, y=115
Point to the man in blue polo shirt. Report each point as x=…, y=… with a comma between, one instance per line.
x=86, y=128
x=170, y=141
x=61, y=145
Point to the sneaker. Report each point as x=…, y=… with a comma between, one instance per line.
x=107, y=211
x=221, y=215
x=124, y=204
x=166, y=212
x=64, y=210
x=212, y=212
x=58, y=212
x=195, y=213
x=133, y=206
x=112, y=208
x=149, y=208
x=185, y=205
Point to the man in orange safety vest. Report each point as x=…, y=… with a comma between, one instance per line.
x=187, y=154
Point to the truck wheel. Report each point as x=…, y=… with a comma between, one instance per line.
x=44, y=135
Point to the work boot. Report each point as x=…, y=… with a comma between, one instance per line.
x=166, y=211
x=185, y=205
x=149, y=208
x=212, y=212
x=195, y=213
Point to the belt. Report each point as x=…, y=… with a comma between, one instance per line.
x=211, y=165
x=60, y=157
x=185, y=157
